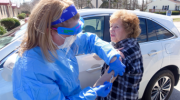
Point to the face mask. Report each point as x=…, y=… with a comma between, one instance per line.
x=68, y=41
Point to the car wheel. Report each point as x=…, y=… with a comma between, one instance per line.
x=160, y=87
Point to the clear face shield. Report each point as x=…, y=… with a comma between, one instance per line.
x=72, y=32
x=68, y=41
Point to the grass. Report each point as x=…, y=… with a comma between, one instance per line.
x=176, y=19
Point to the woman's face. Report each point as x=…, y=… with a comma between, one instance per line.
x=117, y=31
x=58, y=39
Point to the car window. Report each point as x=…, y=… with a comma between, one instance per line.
x=5, y=40
x=161, y=32
x=151, y=30
x=143, y=35
x=94, y=25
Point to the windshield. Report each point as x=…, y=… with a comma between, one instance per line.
x=5, y=40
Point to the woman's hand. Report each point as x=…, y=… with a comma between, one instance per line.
x=103, y=90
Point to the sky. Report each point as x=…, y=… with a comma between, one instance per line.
x=21, y=1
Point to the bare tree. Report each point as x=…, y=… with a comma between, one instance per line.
x=28, y=6
x=121, y=4
x=135, y=4
x=76, y=3
x=83, y=4
x=25, y=7
x=105, y=4
x=130, y=4
x=144, y=5
x=149, y=1
x=34, y=2
x=125, y=3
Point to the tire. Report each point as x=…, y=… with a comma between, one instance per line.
x=152, y=90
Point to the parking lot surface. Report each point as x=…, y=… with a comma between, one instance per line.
x=176, y=93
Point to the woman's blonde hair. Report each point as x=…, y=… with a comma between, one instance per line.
x=39, y=27
x=130, y=22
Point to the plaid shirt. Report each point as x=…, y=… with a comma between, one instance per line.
x=126, y=87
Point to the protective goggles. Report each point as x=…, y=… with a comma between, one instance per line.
x=71, y=31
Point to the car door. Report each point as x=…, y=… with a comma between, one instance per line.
x=152, y=51
x=89, y=67
x=151, y=48
x=169, y=43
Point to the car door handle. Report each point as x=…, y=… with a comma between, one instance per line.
x=153, y=52
x=94, y=68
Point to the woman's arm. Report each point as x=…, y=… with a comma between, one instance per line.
x=105, y=77
x=118, y=50
x=90, y=43
x=52, y=92
x=35, y=80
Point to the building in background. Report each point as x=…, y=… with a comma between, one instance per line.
x=15, y=9
x=163, y=5
x=7, y=9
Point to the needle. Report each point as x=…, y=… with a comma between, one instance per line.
x=111, y=79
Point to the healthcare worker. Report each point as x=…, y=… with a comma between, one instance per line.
x=46, y=68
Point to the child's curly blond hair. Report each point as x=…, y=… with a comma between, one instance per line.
x=130, y=22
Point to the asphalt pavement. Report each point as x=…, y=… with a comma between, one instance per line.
x=176, y=91
x=175, y=16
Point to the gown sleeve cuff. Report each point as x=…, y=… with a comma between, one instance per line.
x=94, y=91
x=111, y=55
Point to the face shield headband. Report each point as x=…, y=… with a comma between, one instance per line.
x=66, y=14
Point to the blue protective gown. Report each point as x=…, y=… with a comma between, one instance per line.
x=34, y=78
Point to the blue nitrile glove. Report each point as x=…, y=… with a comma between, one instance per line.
x=103, y=90
x=118, y=67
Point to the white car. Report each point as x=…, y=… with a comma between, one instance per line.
x=160, y=47
x=8, y=45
